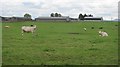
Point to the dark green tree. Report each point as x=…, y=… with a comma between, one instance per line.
x=56, y=14
x=85, y=15
x=52, y=15
x=59, y=15
x=81, y=17
x=27, y=15
x=90, y=15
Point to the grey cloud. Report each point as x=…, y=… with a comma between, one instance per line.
x=71, y=8
x=33, y=5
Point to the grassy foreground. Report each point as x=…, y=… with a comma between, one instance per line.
x=60, y=44
x=0, y=44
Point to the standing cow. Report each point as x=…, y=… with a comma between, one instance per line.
x=28, y=29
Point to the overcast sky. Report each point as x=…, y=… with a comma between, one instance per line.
x=98, y=8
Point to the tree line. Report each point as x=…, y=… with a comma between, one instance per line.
x=55, y=15
x=81, y=16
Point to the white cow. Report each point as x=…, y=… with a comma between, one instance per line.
x=7, y=26
x=28, y=29
x=84, y=29
x=103, y=33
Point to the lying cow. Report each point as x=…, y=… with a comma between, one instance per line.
x=103, y=33
x=7, y=26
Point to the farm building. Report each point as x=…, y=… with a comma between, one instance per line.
x=53, y=18
x=11, y=19
x=6, y=19
x=74, y=19
x=21, y=19
x=93, y=18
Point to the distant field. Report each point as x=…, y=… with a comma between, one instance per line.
x=60, y=44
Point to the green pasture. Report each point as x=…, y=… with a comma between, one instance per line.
x=60, y=43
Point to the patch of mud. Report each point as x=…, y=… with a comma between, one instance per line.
x=74, y=33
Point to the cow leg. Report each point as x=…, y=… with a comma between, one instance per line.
x=22, y=32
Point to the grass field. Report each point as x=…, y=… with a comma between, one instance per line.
x=60, y=44
x=0, y=44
